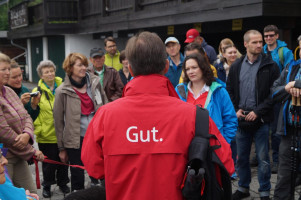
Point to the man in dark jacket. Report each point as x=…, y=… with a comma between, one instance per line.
x=109, y=77
x=248, y=84
x=286, y=86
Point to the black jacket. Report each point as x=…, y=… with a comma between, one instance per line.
x=268, y=72
x=281, y=96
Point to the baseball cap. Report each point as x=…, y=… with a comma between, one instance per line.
x=172, y=39
x=191, y=34
x=96, y=52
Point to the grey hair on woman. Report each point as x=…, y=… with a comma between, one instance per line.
x=44, y=64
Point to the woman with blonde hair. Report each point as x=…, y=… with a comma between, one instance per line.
x=228, y=53
x=76, y=101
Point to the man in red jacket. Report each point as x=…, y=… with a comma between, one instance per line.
x=143, y=154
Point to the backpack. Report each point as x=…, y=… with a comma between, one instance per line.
x=206, y=176
x=281, y=57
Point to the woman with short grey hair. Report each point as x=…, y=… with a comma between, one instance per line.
x=45, y=131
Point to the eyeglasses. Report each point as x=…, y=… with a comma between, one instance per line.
x=111, y=47
x=271, y=35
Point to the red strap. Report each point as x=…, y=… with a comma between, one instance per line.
x=46, y=160
x=37, y=173
x=184, y=179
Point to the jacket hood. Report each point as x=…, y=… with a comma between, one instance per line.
x=204, y=43
x=279, y=45
x=57, y=80
x=217, y=84
x=149, y=84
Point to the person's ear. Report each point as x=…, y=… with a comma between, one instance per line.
x=166, y=67
x=130, y=69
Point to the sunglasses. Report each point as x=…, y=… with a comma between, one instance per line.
x=271, y=35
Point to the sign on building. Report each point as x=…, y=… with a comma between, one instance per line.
x=18, y=16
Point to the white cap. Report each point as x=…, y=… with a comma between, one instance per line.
x=172, y=39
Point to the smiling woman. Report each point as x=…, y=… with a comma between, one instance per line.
x=15, y=83
x=84, y=94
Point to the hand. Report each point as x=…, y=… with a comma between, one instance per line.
x=295, y=92
x=35, y=101
x=21, y=141
x=239, y=114
x=25, y=98
x=32, y=195
x=289, y=86
x=63, y=156
x=39, y=155
x=251, y=116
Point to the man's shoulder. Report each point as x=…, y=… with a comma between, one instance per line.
x=110, y=69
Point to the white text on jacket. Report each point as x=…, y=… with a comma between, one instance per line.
x=133, y=136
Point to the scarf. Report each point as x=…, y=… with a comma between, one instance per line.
x=76, y=84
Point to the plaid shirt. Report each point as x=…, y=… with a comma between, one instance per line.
x=14, y=120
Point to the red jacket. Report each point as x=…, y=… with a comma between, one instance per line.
x=139, y=143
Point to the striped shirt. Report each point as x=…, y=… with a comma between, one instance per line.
x=14, y=120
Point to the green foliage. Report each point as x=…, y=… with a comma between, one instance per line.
x=12, y=3
x=3, y=17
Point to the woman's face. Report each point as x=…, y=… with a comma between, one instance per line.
x=78, y=69
x=48, y=74
x=3, y=162
x=193, y=71
x=125, y=64
x=15, y=78
x=4, y=73
x=230, y=54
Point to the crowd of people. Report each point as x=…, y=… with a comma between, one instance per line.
x=128, y=117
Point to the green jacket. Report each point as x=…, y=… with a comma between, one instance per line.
x=44, y=124
x=113, y=62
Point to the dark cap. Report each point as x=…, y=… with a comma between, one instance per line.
x=96, y=52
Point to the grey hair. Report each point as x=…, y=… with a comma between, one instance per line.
x=43, y=64
x=299, y=38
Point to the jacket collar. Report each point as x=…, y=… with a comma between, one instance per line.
x=150, y=84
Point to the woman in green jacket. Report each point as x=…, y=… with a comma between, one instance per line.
x=45, y=131
x=15, y=83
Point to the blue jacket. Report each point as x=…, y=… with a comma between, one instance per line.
x=221, y=72
x=220, y=108
x=174, y=74
x=209, y=51
x=287, y=54
x=10, y=192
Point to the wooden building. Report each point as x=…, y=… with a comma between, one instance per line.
x=55, y=28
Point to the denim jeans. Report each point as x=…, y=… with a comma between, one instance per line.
x=244, y=140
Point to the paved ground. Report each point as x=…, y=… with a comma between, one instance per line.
x=58, y=195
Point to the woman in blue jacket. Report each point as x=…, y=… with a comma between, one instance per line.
x=201, y=88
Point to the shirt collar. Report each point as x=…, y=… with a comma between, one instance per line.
x=99, y=72
x=206, y=88
x=257, y=60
